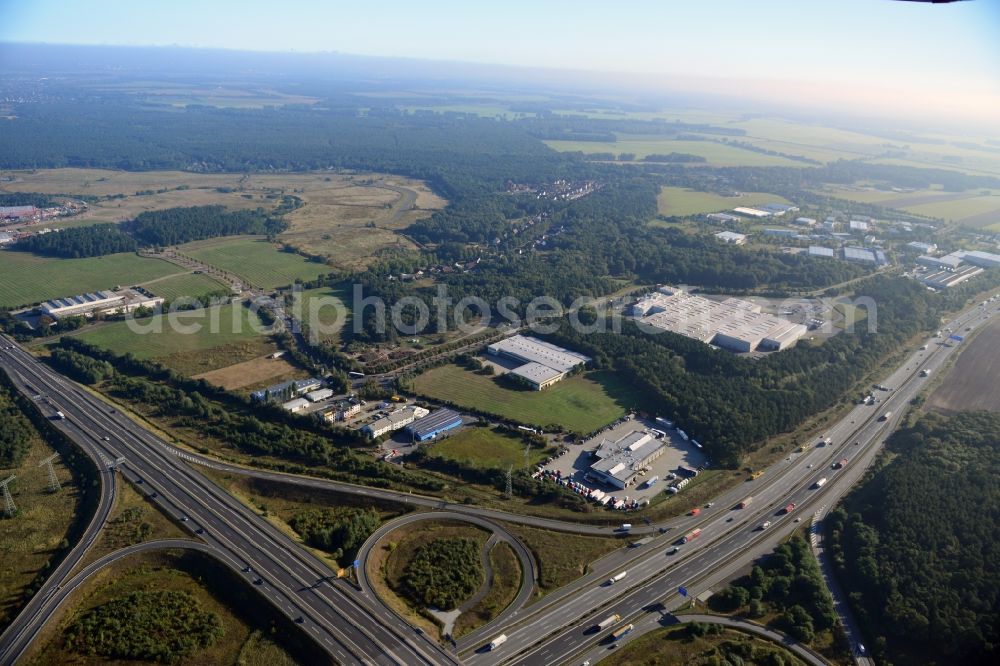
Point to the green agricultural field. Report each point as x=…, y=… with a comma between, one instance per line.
x=582, y=403
x=681, y=201
x=255, y=259
x=189, y=284
x=962, y=210
x=484, y=447
x=717, y=154
x=28, y=278
x=203, y=331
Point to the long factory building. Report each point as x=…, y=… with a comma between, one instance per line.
x=732, y=324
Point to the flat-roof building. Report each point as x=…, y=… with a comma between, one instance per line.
x=319, y=394
x=287, y=389
x=820, y=251
x=858, y=225
x=621, y=461
x=947, y=261
x=733, y=323
x=751, y=212
x=99, y=302
x=859, y=254
x=806, y=221
x=296, y=405
x=779, y=208
x=724, y=217
x=926, y=248
x=731, y=237
x=17, y=212
x=434, y=424
x=393, y=421
x=780, y=232
x=544, y=363
x=983, y=259
x=949, y=278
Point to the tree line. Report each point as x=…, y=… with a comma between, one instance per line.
x=151, y=228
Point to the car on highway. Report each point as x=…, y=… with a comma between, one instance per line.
x=861, y=649
x=673, y=551
x=184, y=519
x=106, y=438
x=765, y=524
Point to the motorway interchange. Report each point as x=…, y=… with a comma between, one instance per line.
x=352, y=625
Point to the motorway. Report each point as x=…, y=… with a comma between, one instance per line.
x=295, y=582
x=353, y=629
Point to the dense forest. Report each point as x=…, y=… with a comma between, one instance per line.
x=15, y=431
x=916, y=546
x=339, y=532
x=444, y=572
x=162, y=626
x=25, y=199
x=91, y=241
x=151, y=228
x=180, y=225
x=788, y=582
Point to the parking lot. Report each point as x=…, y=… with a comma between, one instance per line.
x=576, y=462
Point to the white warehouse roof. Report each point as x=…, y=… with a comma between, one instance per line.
x=533, y=350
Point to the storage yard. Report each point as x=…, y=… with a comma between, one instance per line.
x=627, y=463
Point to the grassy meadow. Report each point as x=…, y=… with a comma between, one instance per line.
x=203, y=340
x=484, y=447
x=582, y=403
x=255, y=259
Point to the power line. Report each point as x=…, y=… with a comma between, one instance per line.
x=9, y=508
x=54, y=486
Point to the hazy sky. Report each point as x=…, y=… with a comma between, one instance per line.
x=935, y=56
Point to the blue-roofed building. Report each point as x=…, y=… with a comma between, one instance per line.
x=434, y=424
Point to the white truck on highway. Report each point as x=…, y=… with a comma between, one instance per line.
x=820, y=483
x=617, y=577
x=497, y=642
x=608, y=622
x=60, y=415
x=885, y=417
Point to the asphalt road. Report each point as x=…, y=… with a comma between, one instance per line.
x=294, y=581
x=529, y=573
